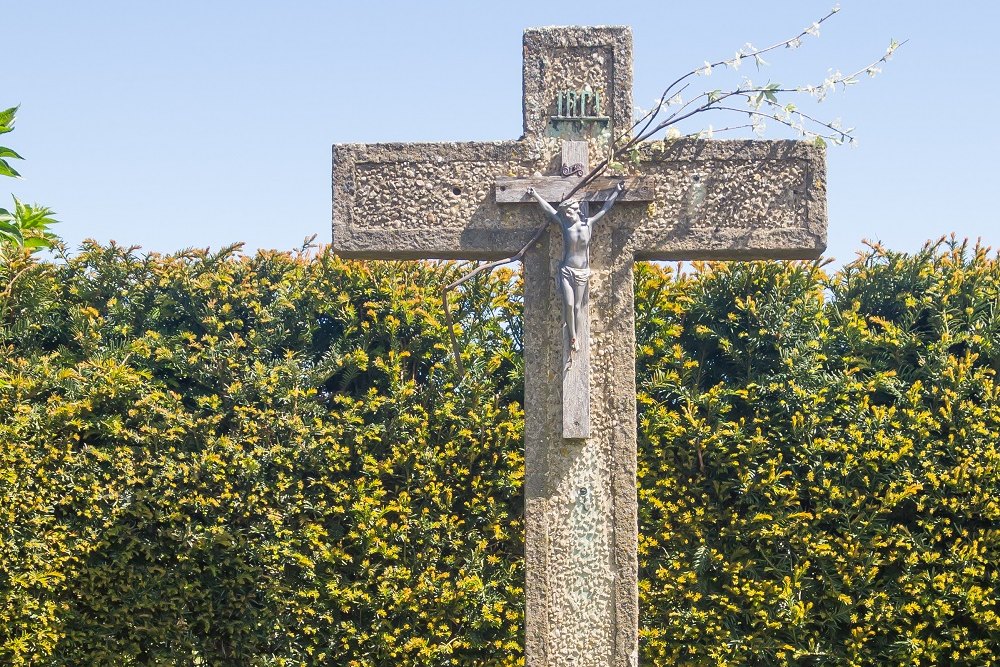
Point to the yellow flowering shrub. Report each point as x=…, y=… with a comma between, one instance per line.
x=223, y=460
x=819, y=462
x=214, y=459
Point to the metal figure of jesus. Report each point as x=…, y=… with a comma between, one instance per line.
x=574, y=271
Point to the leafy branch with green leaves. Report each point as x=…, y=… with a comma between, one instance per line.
x=27, y=225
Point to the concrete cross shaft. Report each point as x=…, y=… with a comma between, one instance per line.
x=703, y=200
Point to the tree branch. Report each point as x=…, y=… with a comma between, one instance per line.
x=472, y=274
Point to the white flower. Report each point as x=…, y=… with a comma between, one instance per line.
x=673, y=133
x=813, y=30
x=706, y=70
x=676, y=100
x=794, y=43
x=706, y=133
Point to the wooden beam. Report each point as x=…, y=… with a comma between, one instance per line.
x=576, y=364
x=554, y=188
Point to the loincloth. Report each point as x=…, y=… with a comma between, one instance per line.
x=574, y=275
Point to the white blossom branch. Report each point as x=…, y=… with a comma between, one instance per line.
x=741, y=55
x=755, y=96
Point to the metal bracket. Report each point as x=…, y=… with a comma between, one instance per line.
x=569, y=170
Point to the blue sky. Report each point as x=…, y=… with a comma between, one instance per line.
x=195, y=123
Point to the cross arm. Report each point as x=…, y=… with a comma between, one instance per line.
x=427, y=200
x=731, y=200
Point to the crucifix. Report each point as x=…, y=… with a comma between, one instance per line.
x=573, y=273
x=485, y=200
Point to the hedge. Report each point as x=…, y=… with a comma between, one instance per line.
x=219, y=459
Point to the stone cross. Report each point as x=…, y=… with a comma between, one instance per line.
x=691, y=200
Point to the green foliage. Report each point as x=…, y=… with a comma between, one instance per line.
x=212, y=459
x=7, y=125
x=27, y=226
x=819, y=478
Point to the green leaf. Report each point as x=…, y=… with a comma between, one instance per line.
x=10, y=232
x=7, y=152
x=7, y=119
x=819, y=141
x=33, y=217
x=7, y=170
x=37, y=242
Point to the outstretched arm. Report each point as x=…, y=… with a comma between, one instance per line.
x=547, y=207
x=608, y=204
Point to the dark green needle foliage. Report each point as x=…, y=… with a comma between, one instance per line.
x=214, y=459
